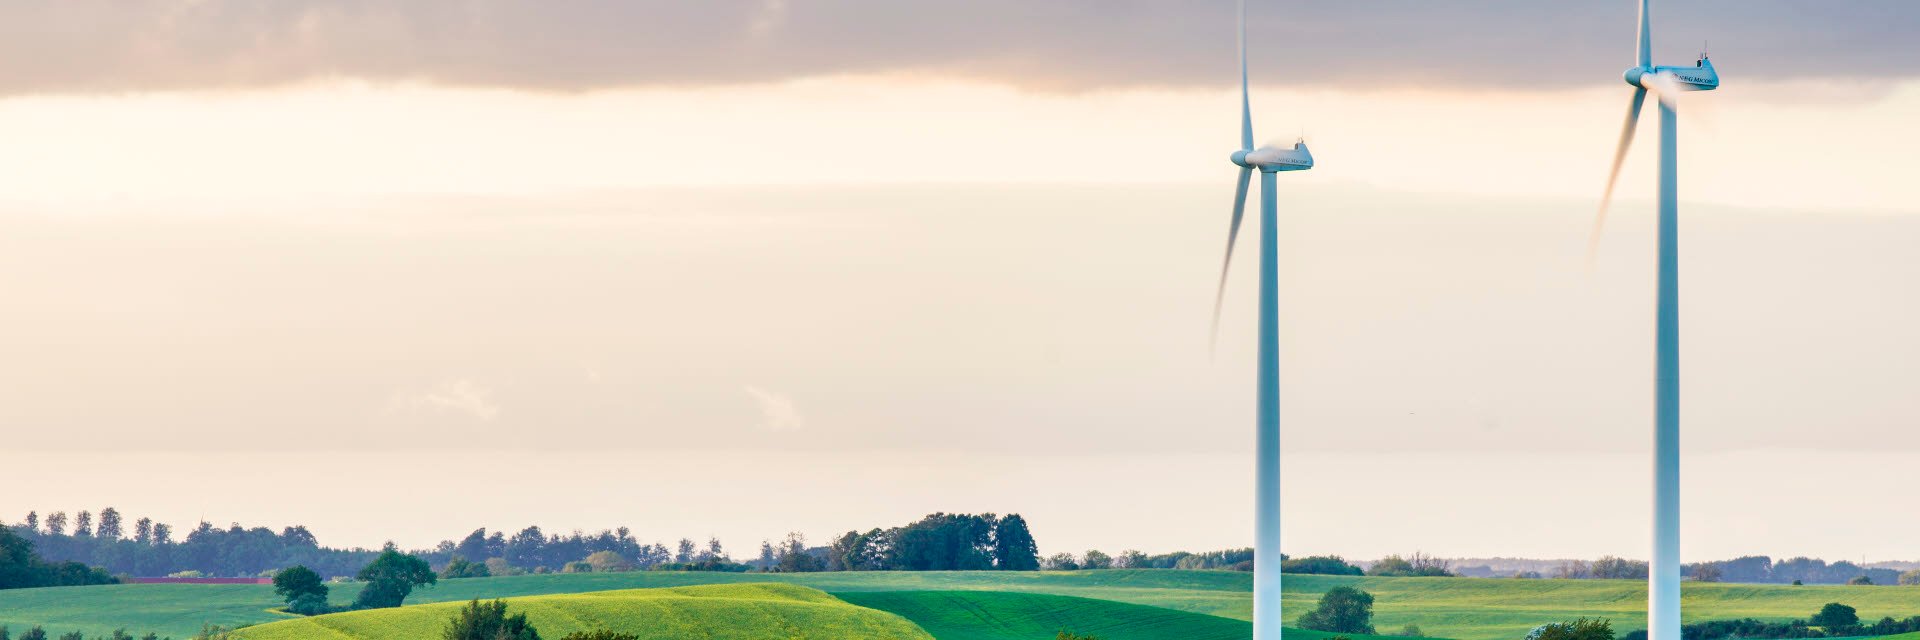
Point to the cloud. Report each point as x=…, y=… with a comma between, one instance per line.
x=109, y=46
x=461, y=397
x=777, y=411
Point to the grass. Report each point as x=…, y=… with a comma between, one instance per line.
x=1463, y=608
x=716, y=612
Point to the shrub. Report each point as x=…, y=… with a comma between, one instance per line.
x=1412, y=631
x=1341, y=610
x=1321, y=565
x=488, y=621
x=309, y=605
x=1579, y=629
x=1835, y=615
x=1861, y=581
x=608, y=561
x=577, y=567
x=458, y=567
x=1910, y=578
x=600, y=634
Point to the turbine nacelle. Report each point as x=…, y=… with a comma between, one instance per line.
x=1699, y=77
x=1271, y=158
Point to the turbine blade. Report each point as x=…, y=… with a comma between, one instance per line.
x=1233, y=231
x=1646, y=37
x=1246, y=103
x=1619, y=158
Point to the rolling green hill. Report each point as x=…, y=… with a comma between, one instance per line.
x=1464, y=608
x=1002, y=615
x=717, y=612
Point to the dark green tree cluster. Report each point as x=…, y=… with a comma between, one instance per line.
x=939, y=542
x=1577, y=629
x=1341, y=610
x=20, y=567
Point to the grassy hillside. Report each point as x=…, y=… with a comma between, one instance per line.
x=716, y=612
x=1464, y=608
x=1001, y=615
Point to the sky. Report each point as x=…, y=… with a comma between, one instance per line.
x=743, y=268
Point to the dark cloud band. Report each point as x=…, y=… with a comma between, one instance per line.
x=103, y=45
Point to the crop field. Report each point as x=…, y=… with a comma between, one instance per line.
x=1004, y=615
x=736, y=611
x=1460, y=608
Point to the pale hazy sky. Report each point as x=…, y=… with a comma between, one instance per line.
x=676, y=289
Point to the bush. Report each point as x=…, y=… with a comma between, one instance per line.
x=600, y=634
x=577, y=567
x=1341, y=610
x=309, y=605
x=488, y=621
x=1412, y=631
x=1834, y=616
x=458, y=567
x=605, y=561
x=1910, y=578
x=1579, y=629
x=1320, y=565
x=1861, y=581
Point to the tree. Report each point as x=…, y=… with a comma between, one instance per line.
x=1094, y=559
x=1571, y=570
x=715, y=551
x=143, y=531
x=296, y=581
x=110, y=524
x=1910, y=578
x=488, y=621
x=390, y=578
x=1341, y=610
x=57, y=523
x=1130, y=559
x=684, y=553
x=794, y=557
x=83, y=525
x=33, y=521
x=1062, y=562
x=1579, y=629
x=162, y=534
x=1707, y=572
x=1835, y=615
x=1013, y=545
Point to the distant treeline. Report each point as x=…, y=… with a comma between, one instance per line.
x=1749, y=569
x=940, y=541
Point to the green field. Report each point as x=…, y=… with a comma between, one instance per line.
x=718, y=612
x=1002, y=615
x=1463, y=608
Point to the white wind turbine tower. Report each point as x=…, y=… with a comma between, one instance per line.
x=1268, y=160
x=1666, y=83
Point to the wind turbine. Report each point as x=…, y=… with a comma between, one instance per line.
x=1666, y=83
x=1268, y=160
